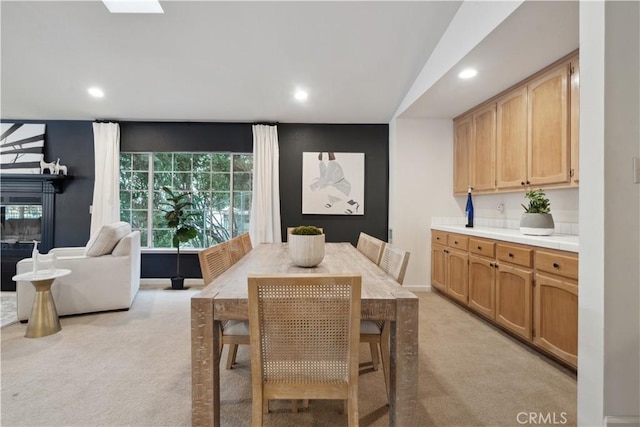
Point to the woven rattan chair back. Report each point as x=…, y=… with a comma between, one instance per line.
x=236, y=250
x=214, y=261
x=394, y=261
x=370, y=247
x=246, y=242
x=304, y=339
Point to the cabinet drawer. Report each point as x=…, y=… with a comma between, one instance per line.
x=439, y=237
x=519, y=255
x=458, y=241
x=560, y=263
x=482, y=247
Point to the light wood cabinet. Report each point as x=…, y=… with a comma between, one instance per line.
x=548, y=127
x=438, y=267
x=511, y=139
x=527, y=136
x=531, y=292
x=556, y=304
x=575, y=120
x=514, y=286
x=463, y=132
x=483, y=149
x=457, y=274
x=482, y=285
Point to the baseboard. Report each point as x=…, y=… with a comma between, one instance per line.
x=417, y=288
x=164, y=283
x=615, y=421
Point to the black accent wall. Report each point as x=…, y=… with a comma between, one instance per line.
x=72, y=141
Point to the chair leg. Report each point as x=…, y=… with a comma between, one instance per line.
x=352, y=412
x=375, y=357
x=257, y=407
x=231, y=355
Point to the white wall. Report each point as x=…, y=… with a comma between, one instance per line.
x=420, y=186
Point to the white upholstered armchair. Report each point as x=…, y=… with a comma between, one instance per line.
x=105, y=275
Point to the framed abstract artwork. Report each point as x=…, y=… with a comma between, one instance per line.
x=333, y=183
x=21, y=147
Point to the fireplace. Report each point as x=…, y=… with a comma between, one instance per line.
x=27, y=214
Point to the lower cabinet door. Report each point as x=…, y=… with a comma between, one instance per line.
x=458, y=275
x=514, y=299
x=556, y=317
x=482, y=286
x=438, y=266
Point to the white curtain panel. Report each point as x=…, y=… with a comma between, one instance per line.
x=106, y=189
x=264, y=221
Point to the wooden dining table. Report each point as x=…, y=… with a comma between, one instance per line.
x=225, y=298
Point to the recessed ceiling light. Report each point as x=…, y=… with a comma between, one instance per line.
x=96, y=92
x=301, y=95
x=133, y=6
x=468, y=73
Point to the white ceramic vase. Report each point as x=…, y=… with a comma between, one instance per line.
x=537, y=224
x=306, y=250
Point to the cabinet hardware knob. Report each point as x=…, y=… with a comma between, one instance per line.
x=495, y=265
x=455, y=242
x=528, y=183
x=490, y=264
x=510, y=255
x=479, y=248
x=437, y=238
x=556, y=265
x=521, y=182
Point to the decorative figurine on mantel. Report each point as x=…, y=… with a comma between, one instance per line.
x=60, y=168
x=50, y=166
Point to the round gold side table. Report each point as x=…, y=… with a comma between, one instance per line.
x=43, y=320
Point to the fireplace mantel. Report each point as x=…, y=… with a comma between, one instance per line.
x=28, y=181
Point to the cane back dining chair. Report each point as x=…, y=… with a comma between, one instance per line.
x=236, y=249
x=304, y=339
x=213, y=262
x=370, y=247
x=246, y=242
x=394, y=262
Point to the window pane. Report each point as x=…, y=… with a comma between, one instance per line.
x=161, y=179
x=242, y=181
x=201, y=163
x=182, y=162
x=221, y=182
x=125, y=215
x=181, y=181
x=242, y=162
x=139, y=200
x=162, y=238
x=220, y=201
x=202, y=181
x=125, y=200
x=140, y=162
x=125, y=161
x=140, y=181
x=162, y=162
x=138, y=219
x=221, y=162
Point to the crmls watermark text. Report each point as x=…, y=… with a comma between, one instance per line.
x=541, y=418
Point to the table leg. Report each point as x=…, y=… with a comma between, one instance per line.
x=403, y=391
x=205, y=364
x=43, y=320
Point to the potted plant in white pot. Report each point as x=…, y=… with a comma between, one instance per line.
x=306, y=246
x=536, y=219
x=179, y=219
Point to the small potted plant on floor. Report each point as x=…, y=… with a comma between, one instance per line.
x=536, y=219
x=179, y=219
x=306, y=246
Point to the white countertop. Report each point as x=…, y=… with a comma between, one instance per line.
x=563, y=242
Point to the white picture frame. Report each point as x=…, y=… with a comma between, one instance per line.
x=333, y=183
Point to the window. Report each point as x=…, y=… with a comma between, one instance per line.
x=220, y=186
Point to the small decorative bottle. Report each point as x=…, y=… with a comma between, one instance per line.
x=469, y=209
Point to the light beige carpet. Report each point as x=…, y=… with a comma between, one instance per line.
x=133, y=369
x=7, y=309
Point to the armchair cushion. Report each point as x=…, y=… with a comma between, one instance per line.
x=107, y=238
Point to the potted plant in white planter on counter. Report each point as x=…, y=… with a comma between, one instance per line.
x=536, y=219
x=306, y=246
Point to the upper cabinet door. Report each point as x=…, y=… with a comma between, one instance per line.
x=463, y=132
x=548, y=136
x=511, y=139
x=483, y=149
x=575, y=120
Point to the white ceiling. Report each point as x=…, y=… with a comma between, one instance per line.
x=242, y=61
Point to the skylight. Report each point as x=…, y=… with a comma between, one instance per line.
x=133, y=6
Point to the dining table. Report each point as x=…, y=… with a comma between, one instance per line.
x=226, y=298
